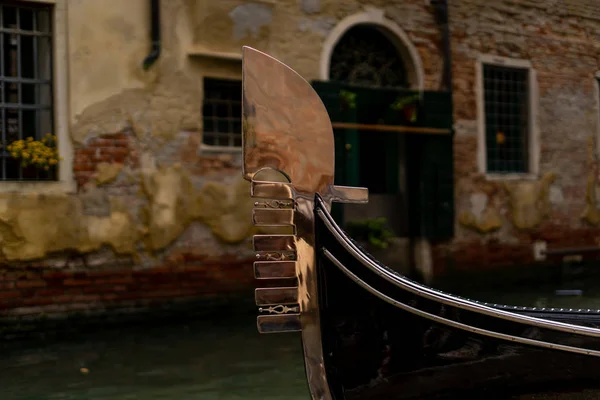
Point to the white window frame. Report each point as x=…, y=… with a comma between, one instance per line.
x=60, y=86
x=534, y=132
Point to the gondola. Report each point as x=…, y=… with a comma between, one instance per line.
x=367, y=331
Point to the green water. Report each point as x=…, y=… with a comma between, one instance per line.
x=204, y=359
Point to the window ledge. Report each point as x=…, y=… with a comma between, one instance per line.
x=56, y=187
x=220, y=55
x=511, y=177
x=205, y=148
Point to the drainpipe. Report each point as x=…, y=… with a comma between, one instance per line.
x=154, y=34
x=441, y=8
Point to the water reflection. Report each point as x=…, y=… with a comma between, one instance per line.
x=200, y=360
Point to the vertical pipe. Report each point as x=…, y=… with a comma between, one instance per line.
x=154, y=34
x=443, y=19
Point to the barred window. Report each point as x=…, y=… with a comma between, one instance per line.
x=222, y=112
x=26, y=109
x=507, y=113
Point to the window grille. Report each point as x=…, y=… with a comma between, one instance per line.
x=25, y=83
x=222, y=112
x=507, y=112
x=365, y=56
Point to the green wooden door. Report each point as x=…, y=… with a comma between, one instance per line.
x=429, y=158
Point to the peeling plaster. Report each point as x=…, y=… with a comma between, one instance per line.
x=591, y=213
x=529, y=201
x=107, y=172
x=250, y=18
x=33, y=226
x=321, y=26
x=310, y=6
x=481, y=216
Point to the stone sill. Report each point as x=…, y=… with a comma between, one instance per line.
x=511, y=177
x=204, y=148
x=221, y=55
x=57, y=187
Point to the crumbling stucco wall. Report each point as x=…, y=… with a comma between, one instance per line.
x=142, y=172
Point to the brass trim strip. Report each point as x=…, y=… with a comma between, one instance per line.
x=276, y=296
x=449, y=300
x=274, y=269
x=267, y=217
x=274, y=243
x=391, y=128
x=271, y=190
x=454, y=324
x=278, y=323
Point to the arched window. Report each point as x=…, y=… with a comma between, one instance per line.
x=365, y=55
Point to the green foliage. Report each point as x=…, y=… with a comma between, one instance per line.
x=348, y=98
x=374, y=231
x=402, y=102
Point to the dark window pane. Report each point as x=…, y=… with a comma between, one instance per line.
x=222, y=112
x=506, y=97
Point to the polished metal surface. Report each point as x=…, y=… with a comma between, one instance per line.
x=274, y=269
x=272, y=242
x=455, y=324
x=276, y=296
x=443, y=298
x=286, y=128
x=279, y=323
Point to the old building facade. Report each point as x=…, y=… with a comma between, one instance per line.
x=145, y=201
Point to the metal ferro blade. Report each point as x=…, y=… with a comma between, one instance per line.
x=287, y=128
x=285, y=124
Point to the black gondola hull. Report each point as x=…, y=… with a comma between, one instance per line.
x=377, y=345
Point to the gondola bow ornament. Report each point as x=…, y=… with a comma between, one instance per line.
x=369, y=332
x=286, y=128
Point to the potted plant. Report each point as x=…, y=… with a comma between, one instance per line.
x=41, y=155
x=371, y=233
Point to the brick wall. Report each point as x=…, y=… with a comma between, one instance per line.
x=51, y=293
x=561, y=41
x=107, y=148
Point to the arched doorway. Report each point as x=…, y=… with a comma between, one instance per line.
x=391, y=135
x=367, y=56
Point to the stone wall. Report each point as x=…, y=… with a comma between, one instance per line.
x=149, y=197
x=498, y=221
x=149, y=202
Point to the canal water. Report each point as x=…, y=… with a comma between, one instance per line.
x=203, y=358
x=208, y=359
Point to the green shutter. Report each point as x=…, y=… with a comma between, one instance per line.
x=429, y=163
x=431, y=186
x=346, y=140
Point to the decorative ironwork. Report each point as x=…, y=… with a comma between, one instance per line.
x=274, y=204
x=280, y=309
x=276, y=256
x=365, y=56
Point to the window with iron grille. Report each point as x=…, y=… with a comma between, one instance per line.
x=26, y=109
x=222, y=112
x=507, y=112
